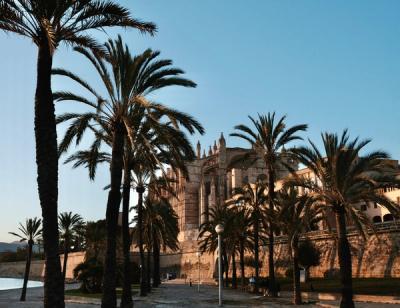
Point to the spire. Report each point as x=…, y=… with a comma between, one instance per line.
x=215, y=147
x=204, y=153
x=210, y=151
x=198, y=149
x=222, y=142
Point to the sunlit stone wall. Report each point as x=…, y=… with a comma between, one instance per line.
x=377, y=256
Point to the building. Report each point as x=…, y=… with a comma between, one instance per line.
x=212, y=176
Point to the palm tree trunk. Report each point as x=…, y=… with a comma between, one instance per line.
x=66, y=245
x=256, y=255
x=27, y=270
x=148, y=268
x=344, y=256
x=126, y=298
x=47, y=170
x=226, y=267
x=109, y=297
x=234, y=276
x=140, y=191
x=296, y=272
x=156, y=261
x=243, y=278
x=271, y=268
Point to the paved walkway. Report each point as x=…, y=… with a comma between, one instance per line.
x=176, y=294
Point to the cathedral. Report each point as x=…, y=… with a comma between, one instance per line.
x=212, y=177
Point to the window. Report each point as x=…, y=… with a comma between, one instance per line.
x=363, y=207
x=375, y=205
x=376, y=219
x=388, y=217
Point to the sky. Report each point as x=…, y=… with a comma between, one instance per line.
x=330, y=64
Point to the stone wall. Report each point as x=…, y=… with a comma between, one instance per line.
x=377, y=256
x=17, y=269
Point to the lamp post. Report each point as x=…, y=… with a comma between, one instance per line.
x=219, y=229
x=198, y=254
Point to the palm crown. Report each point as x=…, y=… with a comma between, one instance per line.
x=160, y=224
x=269, y=136
x=346, y=177
x=127, y=80
x=69, y=224
x=29, y=232
x=53, y=22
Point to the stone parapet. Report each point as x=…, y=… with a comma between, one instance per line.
x=377, y=256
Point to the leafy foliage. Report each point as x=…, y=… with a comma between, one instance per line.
x=309, y=255
x=30, y=231
x=65, y=21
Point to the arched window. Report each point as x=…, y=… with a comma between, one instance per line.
x=387, y=217
x=377, y=219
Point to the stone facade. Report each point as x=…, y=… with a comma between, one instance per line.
x=377, y=256
x=214, y=175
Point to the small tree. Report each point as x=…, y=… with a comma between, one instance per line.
x=90, y=273
x=69, y=225
x=309, y=256
x=29, y=233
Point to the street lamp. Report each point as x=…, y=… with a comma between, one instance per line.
x=198, y=254
x=219, y=229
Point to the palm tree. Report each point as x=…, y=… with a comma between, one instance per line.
x=166, y=237
x=48, y=24
x=347, y=177
x=295, y=215
x=136, y=158
x=30, y=232
x=120, y=118
x=145, y=177
x=161, y=231
x=242, y=240
x=208, y=237
x=69, y=225
x=268, y=140
x=253, y=196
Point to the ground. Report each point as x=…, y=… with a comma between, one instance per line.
x=175, y=294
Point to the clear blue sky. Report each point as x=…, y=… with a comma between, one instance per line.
x=331, y=64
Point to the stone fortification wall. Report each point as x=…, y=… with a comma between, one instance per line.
x=377, y=256
x=17, y=269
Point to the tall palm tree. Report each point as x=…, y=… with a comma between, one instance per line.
x=347, y=177
x=136, y=176
x=48, y=24
x=254, y=196
x=239, y=239
x=161, y=225
x=120, y=117
x=242, y=240
x=30, y=232
x=295, y=215
x=69, y=225
x=208, y=237
x=268, y=139
x=168, y=146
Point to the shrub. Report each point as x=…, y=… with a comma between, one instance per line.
x=90, y=274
